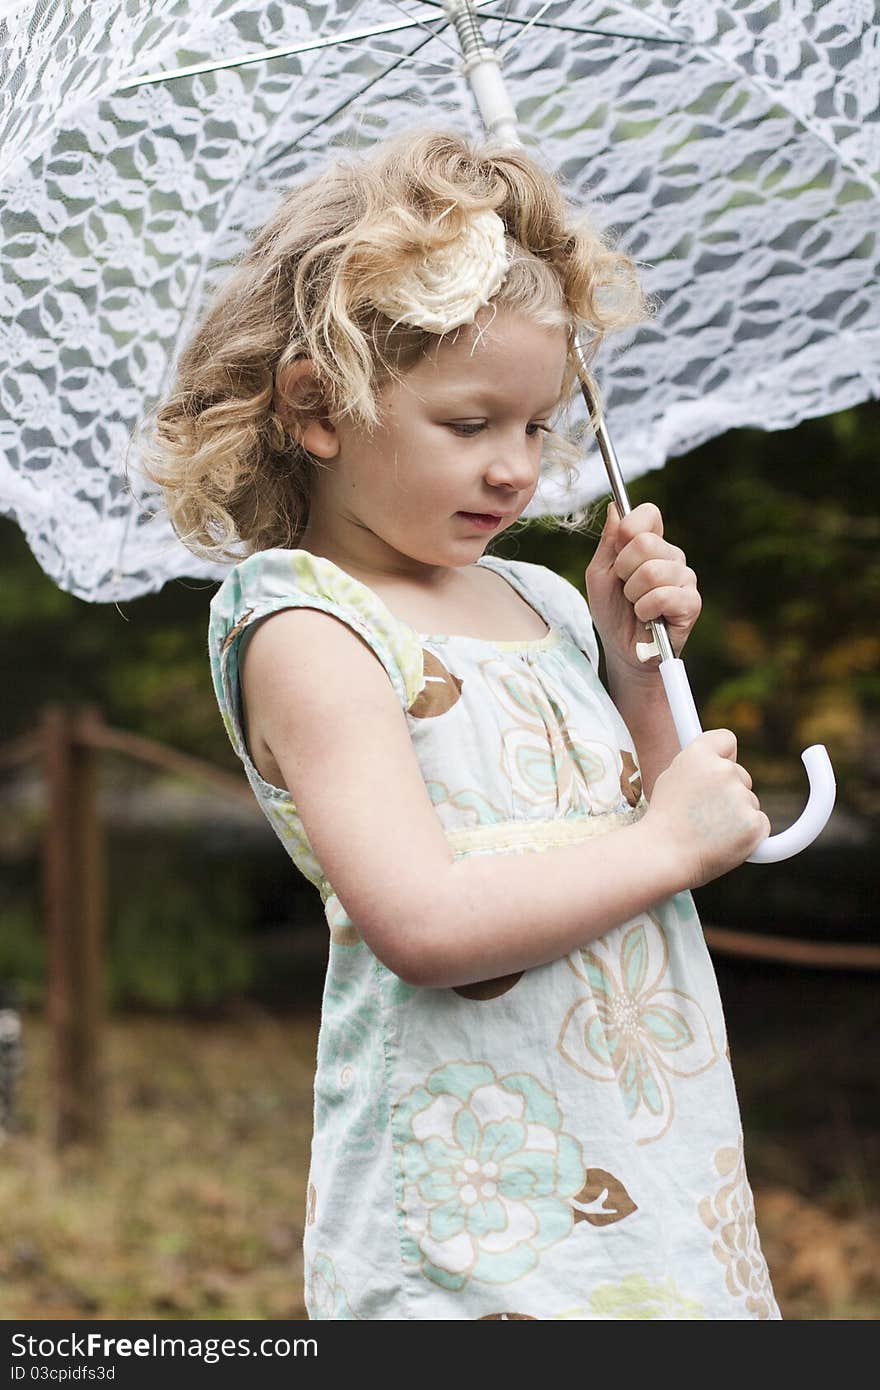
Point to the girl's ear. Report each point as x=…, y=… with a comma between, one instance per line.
x=297, y=398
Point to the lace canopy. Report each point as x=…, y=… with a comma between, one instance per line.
x=733, y=147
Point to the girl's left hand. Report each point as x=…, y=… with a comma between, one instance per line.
x=636, y=575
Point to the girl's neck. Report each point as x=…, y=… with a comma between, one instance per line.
x=368, y=558
x=466, y=600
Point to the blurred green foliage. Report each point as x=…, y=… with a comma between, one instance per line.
x=181, y=941
x=145, y=663
x=22, y=953
x=178, y=936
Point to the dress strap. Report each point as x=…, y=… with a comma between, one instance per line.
x=559, y=602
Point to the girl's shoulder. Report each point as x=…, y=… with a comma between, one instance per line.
x=271, y=580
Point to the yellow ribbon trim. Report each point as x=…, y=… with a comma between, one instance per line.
x=550, y=833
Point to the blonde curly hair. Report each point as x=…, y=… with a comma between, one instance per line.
x=223, y=445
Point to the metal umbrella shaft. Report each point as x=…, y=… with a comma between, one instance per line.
x=661, y=645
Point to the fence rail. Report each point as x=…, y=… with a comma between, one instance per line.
x=792, y=950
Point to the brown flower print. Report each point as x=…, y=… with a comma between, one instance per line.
x=602, y=1200
x=730, y=1215
x=234, y=631
x=630, y=778
x=442, y=689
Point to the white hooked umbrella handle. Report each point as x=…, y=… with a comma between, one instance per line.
x=820, y=773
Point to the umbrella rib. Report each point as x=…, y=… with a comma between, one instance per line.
x=405, y=57
x=515, y=38
x=502, y=20
x=597, y=33
x=433, y=62
x=507, y=18
x=289, y=50
x=424, y=25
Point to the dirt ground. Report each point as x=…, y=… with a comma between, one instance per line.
x=195, y=1209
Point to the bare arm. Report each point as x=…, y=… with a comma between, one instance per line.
x=323, y=704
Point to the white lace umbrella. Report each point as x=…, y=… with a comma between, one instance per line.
x=733, y=146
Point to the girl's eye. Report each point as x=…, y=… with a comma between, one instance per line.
x=467, y=427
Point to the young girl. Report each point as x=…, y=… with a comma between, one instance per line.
x=524, y=1106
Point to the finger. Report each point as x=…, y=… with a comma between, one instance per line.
x=605, y=553
x=647, y=546
x=723, y=741
x=646, y=517
x=654, y=574
x=608, y=538
x=680, y=607
x=743, y=774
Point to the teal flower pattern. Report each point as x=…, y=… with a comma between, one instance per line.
x=464, y=806
x=325, y=1297
x=549, y=768
x=486, y=1171
x=631, y=1029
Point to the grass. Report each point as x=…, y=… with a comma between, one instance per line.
x=195, y=1209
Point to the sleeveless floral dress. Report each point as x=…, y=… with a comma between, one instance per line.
x=562, y=1142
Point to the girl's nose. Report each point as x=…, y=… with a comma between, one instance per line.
x=517, y=463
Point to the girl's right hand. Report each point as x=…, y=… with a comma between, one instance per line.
x=704, y=809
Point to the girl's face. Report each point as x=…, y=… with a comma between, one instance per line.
x=462, y=433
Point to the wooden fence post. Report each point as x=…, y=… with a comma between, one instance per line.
x=74, y=894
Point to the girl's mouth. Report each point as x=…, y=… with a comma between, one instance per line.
x=484, y=520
